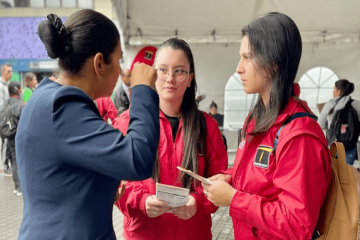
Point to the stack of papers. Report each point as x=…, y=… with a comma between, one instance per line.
x=175, y=196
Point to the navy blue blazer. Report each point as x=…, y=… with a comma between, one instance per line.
x=70, y=161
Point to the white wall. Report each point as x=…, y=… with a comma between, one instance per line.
x=215, y=63
x=343, y=59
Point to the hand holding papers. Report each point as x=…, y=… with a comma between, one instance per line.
x=154, y=207
x=194, y=175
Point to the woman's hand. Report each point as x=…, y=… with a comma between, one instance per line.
x=143, y=74
x=155, y=207
x=220, y=193
x=224, y=177
x=120, y=192
x=188, y=211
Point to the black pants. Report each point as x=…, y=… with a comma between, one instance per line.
x=15, y=175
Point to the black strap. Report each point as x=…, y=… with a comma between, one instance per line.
x=203, y=133
x=294, y=116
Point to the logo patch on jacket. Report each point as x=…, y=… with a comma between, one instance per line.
x=343, y=128
x=262, y=156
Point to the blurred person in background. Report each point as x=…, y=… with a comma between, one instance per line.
x=30, y=84
x=6, y=74
x=342, y=90
x=122, y=93
x=214, y=113
x=16, y=106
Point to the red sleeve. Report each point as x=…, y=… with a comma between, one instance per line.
x=301, y=177
x=133, y=200
x=101, y=108
x=122, y=122
x=216, y=161
x=228, y=171
x=111, y=110
x=135, y=193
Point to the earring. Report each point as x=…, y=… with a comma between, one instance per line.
x=101, y=73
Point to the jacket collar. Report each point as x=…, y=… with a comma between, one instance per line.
x=2, y=81
x=162, y=116
x=292, y=107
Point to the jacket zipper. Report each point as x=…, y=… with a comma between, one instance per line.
x=241, y=162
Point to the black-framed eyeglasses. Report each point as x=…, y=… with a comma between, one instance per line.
x=178, y=74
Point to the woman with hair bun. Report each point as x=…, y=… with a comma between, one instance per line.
x=342, y=90
x=70, y=160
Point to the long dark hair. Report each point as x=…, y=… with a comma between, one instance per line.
x=84, y=34
x=190, y=118
x=275, y=50
x=346, y=88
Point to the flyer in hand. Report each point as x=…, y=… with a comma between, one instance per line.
x=194, y=175
x=175, y=196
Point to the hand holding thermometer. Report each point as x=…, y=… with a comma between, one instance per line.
x=194, y=175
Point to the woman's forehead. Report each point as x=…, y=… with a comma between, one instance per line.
x=170, y=56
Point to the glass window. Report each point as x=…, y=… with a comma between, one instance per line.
x=85, y=3
x=69, y=3
x=237, y=103
x=52, y=3
x=37, y=3
x=317, y=85
x=7, y=4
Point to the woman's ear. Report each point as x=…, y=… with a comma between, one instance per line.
x=99, y=64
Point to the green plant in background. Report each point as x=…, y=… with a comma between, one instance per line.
x=15, y=77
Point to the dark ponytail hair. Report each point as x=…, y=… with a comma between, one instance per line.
x=213, y=104
x=275, y=51
x=85, y=33
x=13, y=88
x=346, y=88
x=190, y=118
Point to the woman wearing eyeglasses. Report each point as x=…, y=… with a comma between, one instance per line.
x=183, y=129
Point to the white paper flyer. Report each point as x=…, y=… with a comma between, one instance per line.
x=175, y=196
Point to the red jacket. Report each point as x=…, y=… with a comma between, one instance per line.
x=137, y=225
x=280, y=199
x=106, y=108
